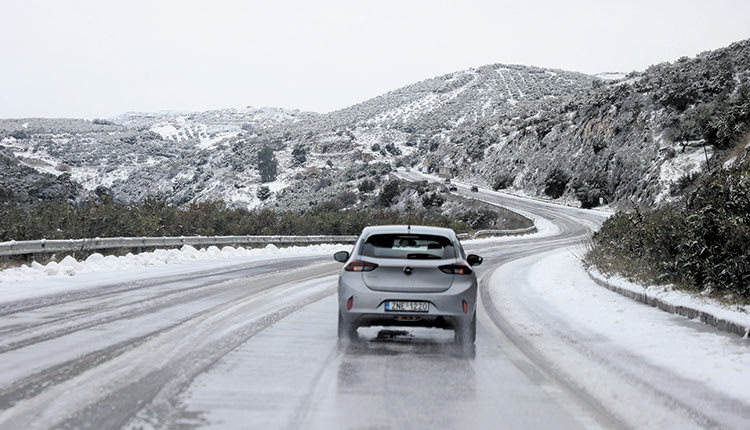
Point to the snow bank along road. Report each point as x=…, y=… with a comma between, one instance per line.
x=252, y=344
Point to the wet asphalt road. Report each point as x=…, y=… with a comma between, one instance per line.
x=255, y=347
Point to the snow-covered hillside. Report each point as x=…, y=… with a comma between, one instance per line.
x=183, y=156
x=141, y=154
x=601, y=140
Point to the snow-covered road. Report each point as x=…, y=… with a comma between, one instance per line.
x=248, y=340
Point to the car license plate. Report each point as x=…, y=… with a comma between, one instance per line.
x=399, y=306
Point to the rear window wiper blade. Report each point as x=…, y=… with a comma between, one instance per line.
x=422, y=257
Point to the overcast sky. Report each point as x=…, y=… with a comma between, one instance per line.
x=100, y=58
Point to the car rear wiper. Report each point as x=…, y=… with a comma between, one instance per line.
x=422, y=256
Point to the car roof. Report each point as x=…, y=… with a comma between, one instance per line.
x=405, y=229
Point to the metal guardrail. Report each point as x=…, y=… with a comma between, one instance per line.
x=74, y=245
x=502, y=232
x=478, y=233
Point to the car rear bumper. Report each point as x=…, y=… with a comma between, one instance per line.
x=405, y=320
x=446, y=309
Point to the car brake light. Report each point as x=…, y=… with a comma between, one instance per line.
x=360, y=266
x=456, y=269
x=465, y=306
x=349, y=303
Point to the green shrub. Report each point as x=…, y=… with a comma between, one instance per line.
x=347, y=198
x=366, y=186
x=481, y=218
x=19, y=134
x=590, y=192
x=432, y=200
x=503, y=181
x=556, y=182
x=263, y=192
x=704, y=246
x=106, y=218
x=299, y=155
x=390, y=191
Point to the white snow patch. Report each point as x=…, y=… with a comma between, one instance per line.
x=710, y=357
x=165, y=130
x=691, y=161
x=727, y=164
x=739, y=315
x=70, y=274
x=611, y=76
x=209, y=142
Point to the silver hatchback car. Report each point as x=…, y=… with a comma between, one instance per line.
x=401, y=275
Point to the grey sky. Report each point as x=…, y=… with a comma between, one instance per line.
x=100, y=58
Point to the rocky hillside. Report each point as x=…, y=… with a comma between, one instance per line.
x=643, y=138
x=23, y=184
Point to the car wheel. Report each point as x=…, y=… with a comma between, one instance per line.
x=473, y=328
x=346, y=331
x=466, y=334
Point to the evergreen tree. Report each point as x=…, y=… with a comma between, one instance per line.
x=366, y=186
x=299, y=155
x=556, y=182
x=389, y=192
x=267, y=164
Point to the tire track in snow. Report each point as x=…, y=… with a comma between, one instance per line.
x=97, y=311
x=18, y=398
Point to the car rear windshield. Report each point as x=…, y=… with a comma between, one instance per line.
x=409, y=246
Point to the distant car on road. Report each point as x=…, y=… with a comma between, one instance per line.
x=474, y=188
x=453, y=188
x=412, y=276
x=447, y=180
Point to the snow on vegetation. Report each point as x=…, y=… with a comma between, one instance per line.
x=688, y=161
x=611, y=76
x=165, y=130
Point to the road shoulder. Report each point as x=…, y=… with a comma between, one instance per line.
x=636, y=359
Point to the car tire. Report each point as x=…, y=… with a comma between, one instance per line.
x=466, y=334
x=345, y=330
x=473, y=328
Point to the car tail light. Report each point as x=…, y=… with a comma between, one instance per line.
x=360, y=266
x=349, y=303
x=465, y=306
x=455, y=269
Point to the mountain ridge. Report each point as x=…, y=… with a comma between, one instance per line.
x=605, y=141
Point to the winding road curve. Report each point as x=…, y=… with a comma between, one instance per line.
x=254, y=346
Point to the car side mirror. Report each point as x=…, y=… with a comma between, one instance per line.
x=474, y=260
x=341, y=256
